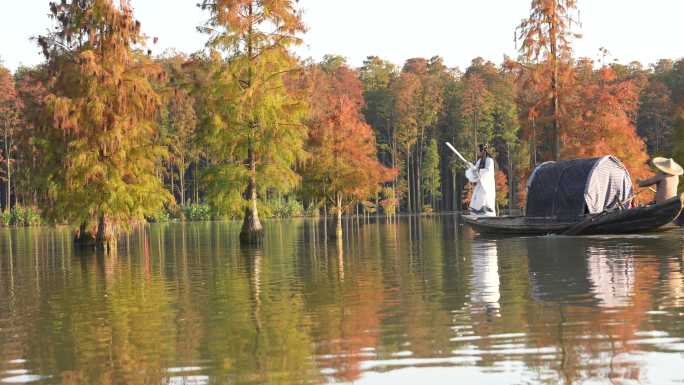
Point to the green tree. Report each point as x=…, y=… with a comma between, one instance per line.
x=418, y=95
x=450, y=129
x=476, y=112
x=405, y=111
x=429, y=103
x=655, y=117
x=431, y=177
x=255, y=134
x=377, y=76
x=178, y=123
x=507, y=130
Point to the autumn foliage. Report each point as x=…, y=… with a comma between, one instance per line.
x=343, y=167
x=96, y=130
x=255, y=128
x=102, y=134
x=602, y=120
x=10, y=116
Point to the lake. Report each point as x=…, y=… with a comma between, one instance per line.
x=416, y=300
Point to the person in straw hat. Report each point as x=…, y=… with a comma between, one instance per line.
x=666, y=180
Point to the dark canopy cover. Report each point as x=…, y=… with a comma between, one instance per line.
x=570, y=188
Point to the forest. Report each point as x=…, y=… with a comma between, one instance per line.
x=103, y=135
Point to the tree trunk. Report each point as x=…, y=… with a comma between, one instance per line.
x=106, y=234
x=252, y=232
x=554, y=85
x=394, y=166
x=338, y=213
x=173, y=187
x=195, y=183
x=83, y=237
x=7, y=159
x=181, y=172
x=510, y=178
x=103, y=237
x=419, y=171
x=533, y=150
x=325, y=220
x=408, y=182
x=556, y=116
x=419, y=182
x=416, y=183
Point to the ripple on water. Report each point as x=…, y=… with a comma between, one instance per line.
x=23, y=379
x=184, y=369
x=16, y=371
x=396, y=305
x=188, y=380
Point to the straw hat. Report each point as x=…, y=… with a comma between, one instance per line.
x=668, y=166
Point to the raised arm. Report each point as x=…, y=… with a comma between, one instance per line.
x=651, y=181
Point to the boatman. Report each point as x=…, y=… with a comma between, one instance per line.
x=483, y=202
x=666, y=180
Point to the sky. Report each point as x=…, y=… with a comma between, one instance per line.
x=395, y=30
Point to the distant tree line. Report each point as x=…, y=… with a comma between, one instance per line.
x=102, y=134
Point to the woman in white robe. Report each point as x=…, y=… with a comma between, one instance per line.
x=483, y=201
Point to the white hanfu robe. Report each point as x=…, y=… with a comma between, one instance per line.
x=483, y=201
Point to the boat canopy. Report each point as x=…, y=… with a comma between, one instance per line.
x=572, y=188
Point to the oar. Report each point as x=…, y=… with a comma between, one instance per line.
x=459, y=155
x=581, y=226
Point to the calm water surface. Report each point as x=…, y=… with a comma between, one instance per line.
x=421, y=301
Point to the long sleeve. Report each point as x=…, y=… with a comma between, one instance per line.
x=651, y=181
x=473, y=174
x=484, y=196
x=488, y=169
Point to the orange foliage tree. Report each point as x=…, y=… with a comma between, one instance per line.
x=32, y=92
x=546, y=35
x=343, y=167
x=601, y=119
x=9, y=118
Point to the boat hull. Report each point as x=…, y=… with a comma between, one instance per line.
x=629, y=221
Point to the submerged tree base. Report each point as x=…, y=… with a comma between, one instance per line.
x=252, y=232
x=84, y=239
x=251, y=236
x=102, y=239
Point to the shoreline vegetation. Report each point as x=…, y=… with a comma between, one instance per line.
x=30, y=217
x=103, y=134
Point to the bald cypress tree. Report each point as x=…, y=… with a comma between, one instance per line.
x=547, y=35
x=9, y=121
x=255, y=129
x=96, y=129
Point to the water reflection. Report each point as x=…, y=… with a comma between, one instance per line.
x=417, y=299
x=612, y=277
x=484, y=285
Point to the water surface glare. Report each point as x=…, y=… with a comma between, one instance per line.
x=416, y=300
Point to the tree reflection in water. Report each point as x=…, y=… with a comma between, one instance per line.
x=183, y=303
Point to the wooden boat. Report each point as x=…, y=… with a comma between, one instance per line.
x=626, y=221
x=581, y=196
